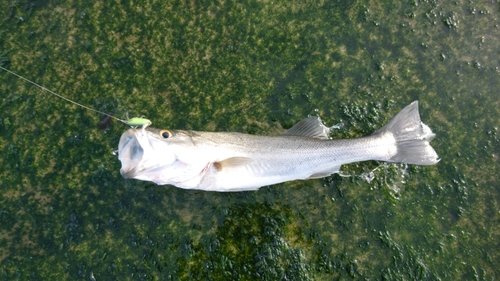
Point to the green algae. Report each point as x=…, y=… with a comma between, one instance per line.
x=254, y=67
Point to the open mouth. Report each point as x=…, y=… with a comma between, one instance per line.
x=130, y=153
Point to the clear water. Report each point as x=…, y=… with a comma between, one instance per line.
x=254, y=67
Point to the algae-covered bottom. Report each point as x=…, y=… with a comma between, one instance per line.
x=254, y=67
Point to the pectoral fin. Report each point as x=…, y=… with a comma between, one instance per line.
x=233, y=162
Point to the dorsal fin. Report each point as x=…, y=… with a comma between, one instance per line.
x=311, y=127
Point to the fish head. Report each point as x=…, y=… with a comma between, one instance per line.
x=155, y=155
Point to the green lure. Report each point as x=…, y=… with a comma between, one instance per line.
x=137, y=121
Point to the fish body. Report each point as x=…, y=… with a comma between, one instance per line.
x=230, y=161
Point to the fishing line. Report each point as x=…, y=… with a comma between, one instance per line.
x=135, y=121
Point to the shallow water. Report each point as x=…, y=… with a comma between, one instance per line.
x=254, y=67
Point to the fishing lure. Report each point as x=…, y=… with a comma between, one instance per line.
x=138, y=121
x=132, y=122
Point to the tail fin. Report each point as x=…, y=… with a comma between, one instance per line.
x=412, y=137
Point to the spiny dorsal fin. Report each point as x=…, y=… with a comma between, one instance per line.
x=309, y=127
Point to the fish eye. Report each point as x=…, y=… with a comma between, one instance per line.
x=165, y=134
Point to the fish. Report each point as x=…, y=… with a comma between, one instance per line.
x=232, y=161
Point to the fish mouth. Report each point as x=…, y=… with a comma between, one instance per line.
x=144, y=156
x=130, y=153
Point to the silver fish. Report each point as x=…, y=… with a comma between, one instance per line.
x=228, y=161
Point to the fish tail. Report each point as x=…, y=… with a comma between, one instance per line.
x=412, y=137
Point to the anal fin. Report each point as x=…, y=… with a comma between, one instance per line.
x=326, y=173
